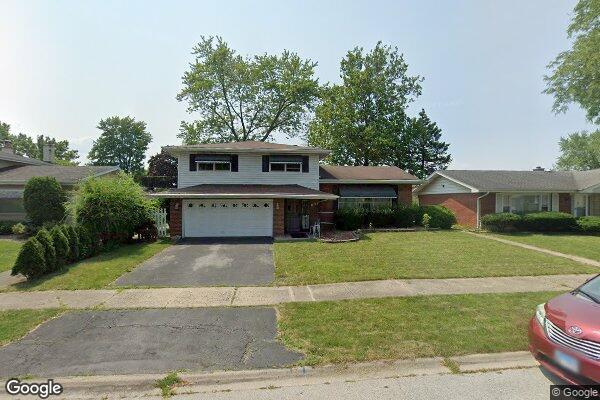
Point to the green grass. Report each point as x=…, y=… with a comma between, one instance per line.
x=398, y=255
x=15, y=324
x=410, y=327
x=167, y=384
x=9, y=249
x=578, y=245
x=96, y=272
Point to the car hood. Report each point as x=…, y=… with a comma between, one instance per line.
x=572, y=310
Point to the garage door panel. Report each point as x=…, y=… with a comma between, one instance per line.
x=221, y=218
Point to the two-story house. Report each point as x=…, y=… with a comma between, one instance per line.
x=268, y=189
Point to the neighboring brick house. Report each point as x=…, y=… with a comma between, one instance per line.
x=268, y=189
x=472, y=194
x=16, y=170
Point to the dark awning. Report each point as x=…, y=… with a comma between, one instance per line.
x=369, y=191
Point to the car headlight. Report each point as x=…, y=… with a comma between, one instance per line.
x=540, y=314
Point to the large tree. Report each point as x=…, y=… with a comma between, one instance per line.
x=425, y=150
x=245, y=98
x=162, y=164
x=24, y=145
x=361, y=117
x=123, y=142
x=579, y=151
x=575, y=73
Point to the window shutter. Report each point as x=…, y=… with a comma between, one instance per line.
x=305, y=160
x=234, y=163
x=193, y=165
x=265, y=162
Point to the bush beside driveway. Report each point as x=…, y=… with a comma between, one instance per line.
x=400, y=328
x=407, y=255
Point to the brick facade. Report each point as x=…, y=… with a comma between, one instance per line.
x=464, y=205
x=278, y=217
x=405, y=194
x=175, y=217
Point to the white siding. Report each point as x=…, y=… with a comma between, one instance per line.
x=249, y=172
x=441, y=185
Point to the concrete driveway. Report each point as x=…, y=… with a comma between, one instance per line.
x=207, y=262
x=148, y=341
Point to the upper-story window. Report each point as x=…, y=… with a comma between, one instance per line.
x=214, y=162
x=285, y=163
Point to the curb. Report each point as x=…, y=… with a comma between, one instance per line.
x=196, y=382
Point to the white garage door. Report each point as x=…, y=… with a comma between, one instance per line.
x=219, y=218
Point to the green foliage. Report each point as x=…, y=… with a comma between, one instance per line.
x=167, y=384
x=550, y=221
x=30, y=261
x=111, y=207
x=43, y=236
x=589, y=224
x=25, y=146
x=574, y=73
x=426, y=221
x=162, y=164
x=579, y=151
x=440, y=217
x=501, y=222
x=6, y=227
x=18, y=229
x=349, y=218
x=85, y=242
x=61, y=246
x=361, y=118
x=44, y=200
x=245, y=98
x=123, y=142
x=71, y=233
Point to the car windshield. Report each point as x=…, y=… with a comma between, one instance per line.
x=592, y=288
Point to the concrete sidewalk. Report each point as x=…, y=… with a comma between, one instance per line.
x=255, y=296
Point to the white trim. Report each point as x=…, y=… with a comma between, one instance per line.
x=176, y=150
x=243, y=196
x=285, y=166
x=437, y=173
x=377, y=181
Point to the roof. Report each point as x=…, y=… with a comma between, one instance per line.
x=64, y=174
x=368, y=191
x=362, y=174
x=492, y=181
x=248, y=146
x=9, y=156
x=246, y=191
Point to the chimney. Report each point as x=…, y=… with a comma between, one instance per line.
x=7, y=147
x=48, y=152
x=539, y=169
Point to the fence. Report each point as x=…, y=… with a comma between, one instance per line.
x=160, y=220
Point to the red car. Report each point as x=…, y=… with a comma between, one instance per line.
x=564, y=334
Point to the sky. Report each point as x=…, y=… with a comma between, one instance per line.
x=64, y=65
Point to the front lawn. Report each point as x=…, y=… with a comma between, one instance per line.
x=15, y=324
x=96, y=272
x=397, y=255
x=9, y=249
x=578, y=245
x=410, y=327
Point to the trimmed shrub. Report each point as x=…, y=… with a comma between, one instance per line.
x=85, y=242
x=407, y=216
x=61, y=246
x=550, y=221
x=350, y=219
x=111, y=207
x=43, y=236
x=589, y=224
x=381, y=217
x=6, y=227
x=71, y=233
x=440, y=217
x=30, y=261
x=19, y=229
x=44, y=200
x=501, y=222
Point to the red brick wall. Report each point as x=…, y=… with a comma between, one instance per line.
x=487, y=205
x=175, y=217
x=278, y=217
x=464, y=205
x=327, y=208
x=564, y=202
x=404, y=194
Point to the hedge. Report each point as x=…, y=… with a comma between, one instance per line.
x=589, y=224
x=502, y=222
x=30, y=261
x=43, y=236
x=61, y=246
x=44, y=200
x=397, y=217
x=549, y=221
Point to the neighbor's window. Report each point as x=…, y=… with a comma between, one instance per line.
x=214, y=165
x=279, y=166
